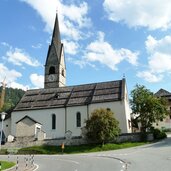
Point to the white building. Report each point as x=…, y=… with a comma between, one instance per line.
x=58, y=108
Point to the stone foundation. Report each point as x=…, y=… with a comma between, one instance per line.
x=30, y=141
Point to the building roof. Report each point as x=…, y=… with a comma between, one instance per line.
x=72, y=95
x=28, y=118
x=162, y=93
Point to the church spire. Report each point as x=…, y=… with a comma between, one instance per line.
x=55, y=70
x=56, y=32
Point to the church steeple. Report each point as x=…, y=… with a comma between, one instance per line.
x=56, y=32
x=55, y=70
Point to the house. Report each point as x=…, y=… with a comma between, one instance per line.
x=165, y=123
x=57, y=109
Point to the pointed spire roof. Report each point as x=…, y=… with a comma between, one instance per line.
x=56, y=41
x=56, y=32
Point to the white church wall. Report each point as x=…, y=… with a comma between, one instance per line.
x=127, y=111
x=71, y=119
x=119, y=111
x=6, y=126
x=45, y=118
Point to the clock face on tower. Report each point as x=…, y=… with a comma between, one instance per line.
x=51, y=77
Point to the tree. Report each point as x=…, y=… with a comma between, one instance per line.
x=12, y=97
x=102, y=126
x=146, y=108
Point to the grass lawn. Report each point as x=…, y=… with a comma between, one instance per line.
x=76, y=149
x=6, y=165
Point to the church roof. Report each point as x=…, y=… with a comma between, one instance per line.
x=72, y=95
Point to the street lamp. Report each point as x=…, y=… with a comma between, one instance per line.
x=2, y=119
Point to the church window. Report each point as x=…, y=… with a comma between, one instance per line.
x=78, y=119
x=129, y=123
x=53, y=121
x=63, y=72
x=52, y=70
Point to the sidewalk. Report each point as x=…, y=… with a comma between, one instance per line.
x=23, y=162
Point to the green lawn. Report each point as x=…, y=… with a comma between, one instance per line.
x=76, y=149
x=6, y=165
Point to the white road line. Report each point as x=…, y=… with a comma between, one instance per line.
x=70, y=161
x=37, y=166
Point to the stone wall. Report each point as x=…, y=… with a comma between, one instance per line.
x=30, y=141
x=25, y=127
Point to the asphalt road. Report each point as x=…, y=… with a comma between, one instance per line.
x=153, y=157
x=78, y=163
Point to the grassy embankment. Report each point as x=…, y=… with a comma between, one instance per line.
x=6, y=165
x=76, y=149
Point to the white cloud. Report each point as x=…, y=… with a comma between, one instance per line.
x=70, y=47
x=103, y=52
x=10, y=77
x=162, y=46
x=160, y=62
x=37, y=46
x=159, y=59
x=37, y=80
x=153, y=14
x=19, y=57
x=159, y=54
x=19, y=86
x=5, y=44
x=150, y=77
x=71, y=17
x=80, y=19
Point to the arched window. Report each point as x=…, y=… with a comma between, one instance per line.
x=52, y=70
x=78, y=119
x=53, y=121
x=63, y=73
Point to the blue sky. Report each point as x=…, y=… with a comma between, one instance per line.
x=103, y=40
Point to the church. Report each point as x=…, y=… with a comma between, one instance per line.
x=51, y=112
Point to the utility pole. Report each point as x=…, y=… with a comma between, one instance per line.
x=2, y=93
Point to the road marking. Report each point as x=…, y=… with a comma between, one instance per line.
x=70, y=161
x=37, y=166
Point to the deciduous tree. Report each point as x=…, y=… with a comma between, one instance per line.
x=147, y=108
x=102, y=126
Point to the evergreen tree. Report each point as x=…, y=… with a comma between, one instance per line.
x=12, y=97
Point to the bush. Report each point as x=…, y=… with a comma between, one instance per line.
x=158, y=134
x=102, y=126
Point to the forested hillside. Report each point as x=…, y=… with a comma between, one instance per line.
x=12, y=97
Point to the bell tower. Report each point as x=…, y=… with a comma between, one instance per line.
x=55, y=69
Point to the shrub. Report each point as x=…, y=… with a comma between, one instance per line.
x=158, y=134
x=102, y=126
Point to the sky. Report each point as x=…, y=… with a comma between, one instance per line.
x=104, y=40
